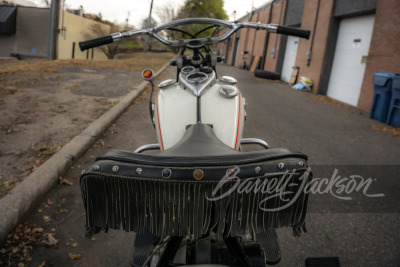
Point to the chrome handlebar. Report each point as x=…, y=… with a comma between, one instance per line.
x=183, y=42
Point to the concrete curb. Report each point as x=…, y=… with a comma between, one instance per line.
x=17, y=204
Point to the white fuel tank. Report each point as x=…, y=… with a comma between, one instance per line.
x=199, y=98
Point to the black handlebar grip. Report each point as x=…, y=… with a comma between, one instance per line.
x=96, y=42
x=293, y=32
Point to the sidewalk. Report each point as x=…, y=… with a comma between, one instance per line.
x=17, y=203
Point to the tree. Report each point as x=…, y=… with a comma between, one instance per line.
x=202, y=9
x=149, y=23
x=101, y=28
x=46, y=3
x=166, y=13
x=146, y=24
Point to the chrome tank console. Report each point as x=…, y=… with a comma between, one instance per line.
x=195, y=80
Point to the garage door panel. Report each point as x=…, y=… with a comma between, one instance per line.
x=290, y=57
x=350, y=75
x=354, y=38
x=351, y=94
x=350, y=61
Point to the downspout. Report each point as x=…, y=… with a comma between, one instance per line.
x=246, y=40
x=267, y=36
x=309, y=53
x=53, y=30
x=254, y=38
x=63, y=29
x=273, y=51
x=228, y=44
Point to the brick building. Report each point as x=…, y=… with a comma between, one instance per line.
x=349, y=42
x=24, y=33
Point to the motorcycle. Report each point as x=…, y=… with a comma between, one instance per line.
x=199, y=200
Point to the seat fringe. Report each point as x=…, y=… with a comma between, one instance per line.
x=164, y=207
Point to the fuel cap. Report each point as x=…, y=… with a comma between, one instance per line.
x=228, y=79
x=228, y=91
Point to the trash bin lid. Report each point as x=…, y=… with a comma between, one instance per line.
x=396, y=82
x=381, y=78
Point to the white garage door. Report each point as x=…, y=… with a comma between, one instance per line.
x=351, y=52
x=290, y=57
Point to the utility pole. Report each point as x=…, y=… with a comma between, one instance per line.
x=127, y=22
x=146, y=38
x=53, y=30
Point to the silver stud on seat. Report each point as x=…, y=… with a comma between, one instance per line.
x=115, y=168
x=281, y=165
x=139, y=171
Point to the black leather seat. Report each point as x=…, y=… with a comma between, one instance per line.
x=136, y=191
x=200, y=147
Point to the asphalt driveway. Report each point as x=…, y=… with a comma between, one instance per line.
x=362, y=232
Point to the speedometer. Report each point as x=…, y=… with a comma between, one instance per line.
x=196, y=77
x=188, y=69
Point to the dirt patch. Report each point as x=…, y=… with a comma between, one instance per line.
x=44, y=104
x=137, y=63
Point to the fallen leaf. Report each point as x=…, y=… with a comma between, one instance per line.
x=387, y=129
x=62, y=180
x=52, y=241
x=37, y=230
x=18, y=244
x=46, y=218
x=74, y=245
x=61, y=210
x=43, y=264
x=74, y=256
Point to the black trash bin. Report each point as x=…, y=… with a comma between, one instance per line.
x=393, y=117
x=382, y=96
